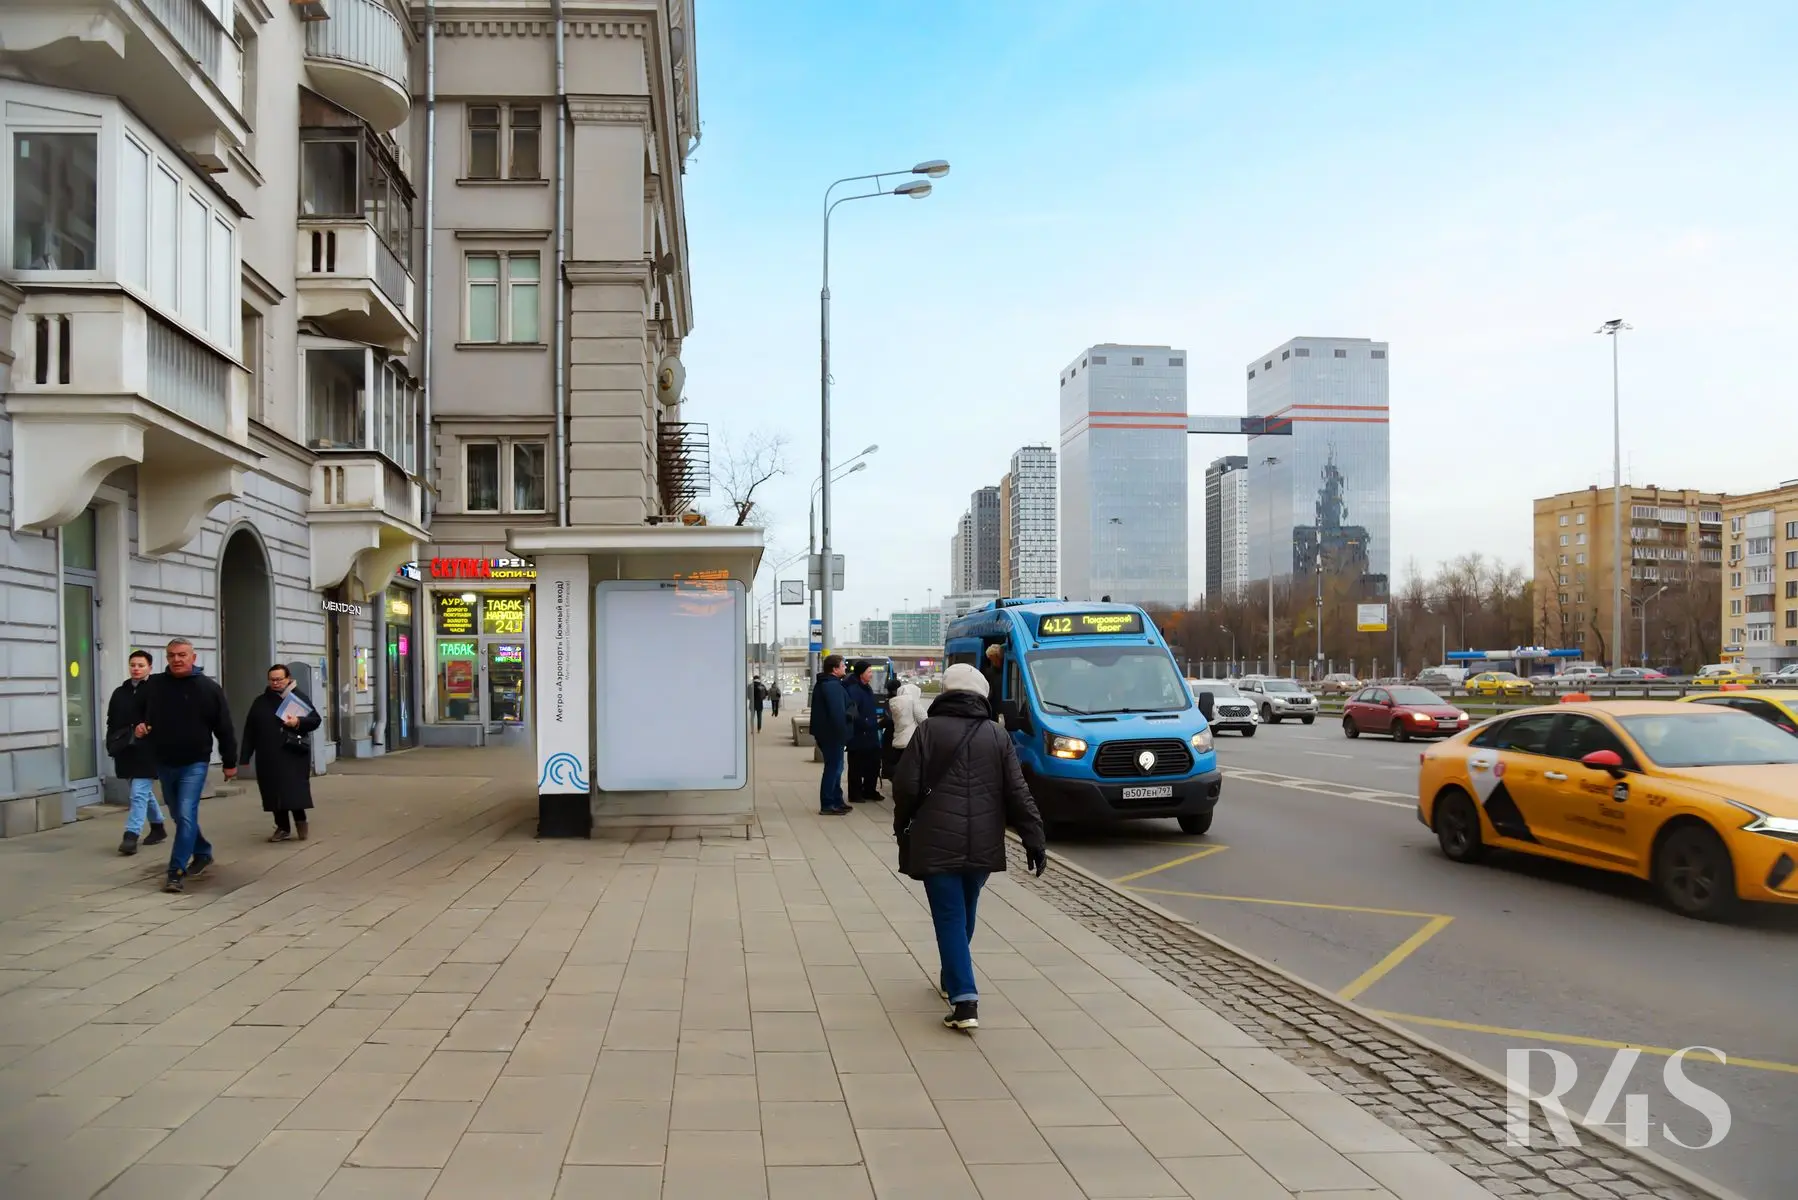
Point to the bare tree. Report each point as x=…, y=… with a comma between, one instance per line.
x=746, y=467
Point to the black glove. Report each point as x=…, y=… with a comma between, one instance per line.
x=1037, y=859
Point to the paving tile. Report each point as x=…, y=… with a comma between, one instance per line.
x=962, y=1074
x=1019, y=1050
x=1108, y=1161
x=1115, y=1072
x=348, y=1027
x=915, y=1164
x=848, y=1012
x=348, y=1100
x=586, y=979
x=609, y=1183
x=642, y=1031
x=720, y=1102
x=532, y=1104
x=379, y=1183
x=993, y=1131
x=621, y=1133
x=81, y=1164
x=792, y=1032
x=290, y=1163
x=455, y=1075
x=1294, y=1155
x=1032, y=1181
x=291, y=1072
x=634, y=1075
x=1225, y=1177
x=1163, y=1047
x=809, y=1134
x=1058, y=1098
x=1169, y=1127
x=1266, y=1071
x=193, y=1026
x=1205, y=1029
x=804, y=1075
x=388, y=1058
x=819, y=1183
x=555, y=1052
x=889, y=1101
x=222, y=1133
x=163, y=1181
x=868, y=1051
x=1220, y=1095
x=238, y=1048
x=494, y=1030
x=1417, y=1175
x=414, y=1133
x=27, y=1128
x=430, y=1010
x=289, y=1007
x=166, y=1101
x=459, y=977
x=1343, y=1125
x=486, y=1165
x=716, y=1052
x=718, y=1166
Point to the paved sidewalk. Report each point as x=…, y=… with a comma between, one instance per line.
x=423, y=1000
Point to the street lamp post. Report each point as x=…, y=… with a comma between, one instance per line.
x=1231, y=633
x=1612, y=329
x=1643, y=605
x=1270, y=463
x=1320, y=612
x=777, y=570
x=811, y=542
x=916, y=189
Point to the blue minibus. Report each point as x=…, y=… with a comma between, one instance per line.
x=1103, y=722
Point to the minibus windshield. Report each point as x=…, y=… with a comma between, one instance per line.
x=1107, y=679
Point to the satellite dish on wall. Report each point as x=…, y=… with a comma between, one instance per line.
x=671, y=377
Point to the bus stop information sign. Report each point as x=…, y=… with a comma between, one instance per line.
x=1088, y=624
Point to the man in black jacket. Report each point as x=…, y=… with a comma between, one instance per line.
x=181, y=713
x=831, y=729
x=131, y=758
x=957, y=787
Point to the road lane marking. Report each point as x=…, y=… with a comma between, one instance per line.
x=1400, y=953
x=1573, y=1039
x=1326, y=754
x=1206, y=852
x=1353, y=908
x=1322, y=787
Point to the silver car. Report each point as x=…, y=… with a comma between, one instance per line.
x=1277, y=699
x=1230, y=708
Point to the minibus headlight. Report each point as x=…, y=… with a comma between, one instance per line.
x=1201, y=741
x=1064, y=747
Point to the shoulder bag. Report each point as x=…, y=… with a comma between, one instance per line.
x=930, y=782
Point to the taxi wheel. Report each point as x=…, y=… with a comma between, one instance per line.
x=1457, y=824
x=1694, y=874
x=1350, y=729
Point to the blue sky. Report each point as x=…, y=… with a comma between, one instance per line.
x=1480, y=186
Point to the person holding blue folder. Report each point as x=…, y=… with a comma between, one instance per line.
x=277, y=731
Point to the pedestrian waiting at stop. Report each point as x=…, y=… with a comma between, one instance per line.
x=131, y=758
x=276, y=733
x=864, y=736
x=831, y=730
x=957, y=788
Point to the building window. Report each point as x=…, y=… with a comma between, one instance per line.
x=251, y=333
x=1251, y=373
x=348, y=177
x=1792, y=618
x=1579, y=519
x=1563, y=539
x=1342, y=354
x=503, y=303
x=1760, y=545
x=1563, y=579
x=1760, y=574
x=512, y=469
x=1099, y=360
x=56, y=201
x=358, y=399
x=1735, y=579
x=1176, y=362
x=1735, y=608
x=1563, y=520
x=1285, y=354
x=1579, y=597
x=1579, y=558
x=505, y=141
x=1735, y=524
x=1268, y=365
x=1379, y=354
x=1563, y=560
x=1579, y=539
x=1302, y=352
x=1791, y=531
x=1792, y=589
x=1136, y=362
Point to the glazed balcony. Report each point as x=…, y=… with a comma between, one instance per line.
x=101, y=382
x=357, y=58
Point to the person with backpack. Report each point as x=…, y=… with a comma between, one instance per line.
x=958, y=785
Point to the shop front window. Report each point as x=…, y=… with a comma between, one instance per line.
x=482, y=656
x=505, y=682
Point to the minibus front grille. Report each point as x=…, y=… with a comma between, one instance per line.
x=1121, y=760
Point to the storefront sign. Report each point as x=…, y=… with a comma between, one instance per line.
x=397, y=607
x=339, y=606
x=455, y=649
x=564, y=669
x=455, y=616
x=482, y=568
x=503, y=615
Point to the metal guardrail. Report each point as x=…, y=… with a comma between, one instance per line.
x=362, y=33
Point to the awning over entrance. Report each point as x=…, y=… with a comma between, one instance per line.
x=650, y=551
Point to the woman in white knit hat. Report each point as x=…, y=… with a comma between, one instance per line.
x=956, y=788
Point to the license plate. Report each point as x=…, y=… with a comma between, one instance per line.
x=1164, y=792
x=1447, y=724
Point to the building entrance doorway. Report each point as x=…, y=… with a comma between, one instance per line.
x=246, y=621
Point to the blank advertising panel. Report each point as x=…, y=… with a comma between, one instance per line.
x=670, y=680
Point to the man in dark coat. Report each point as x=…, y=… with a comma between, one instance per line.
x=774, y=696
x=182, y=712
x=284, y=755
x=957, y=787
x=131, y=758
x=831, y=730
x=864, y=738
x=758, y=696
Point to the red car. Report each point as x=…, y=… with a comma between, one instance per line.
x=1403, y=712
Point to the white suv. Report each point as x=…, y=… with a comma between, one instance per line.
x=1277, y=699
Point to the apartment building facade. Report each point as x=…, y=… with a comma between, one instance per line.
x=1226, y=527
x=961, y=555
x=233, y=398
x=1760, y=578
x=1673, y=542
x=1031, y=546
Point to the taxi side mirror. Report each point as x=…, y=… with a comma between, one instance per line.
x=1604, y=760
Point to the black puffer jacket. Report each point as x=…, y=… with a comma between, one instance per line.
x=961, y=826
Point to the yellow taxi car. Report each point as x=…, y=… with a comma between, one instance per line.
x=1718, y=674
x=1777, y=707
x=1497, y=683
x=1702, y=801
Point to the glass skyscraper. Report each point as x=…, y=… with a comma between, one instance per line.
x=1327, y=492
x=1226, y=527
x=1031, y=570
x=1123, y=475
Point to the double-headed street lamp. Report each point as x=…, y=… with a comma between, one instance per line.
x=916, y=189
x=1611, y=329
x=858, y=463
x=1231, y=633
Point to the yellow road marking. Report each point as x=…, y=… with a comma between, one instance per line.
x=1205, y=852
x=1573, y=1039
x=1400, y=953
x=1354, y=908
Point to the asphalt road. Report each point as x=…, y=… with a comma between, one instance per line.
x=1317, y=862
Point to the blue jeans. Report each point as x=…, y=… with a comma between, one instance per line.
x=953, y=899
x=181, y=788
x=830, y=784
x=143, y=803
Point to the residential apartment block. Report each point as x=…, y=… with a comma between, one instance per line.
x=1673, y=539
x=284, y=373
x=915, y=628
x=1760, y=578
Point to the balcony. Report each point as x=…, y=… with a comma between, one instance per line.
x=175, y=63
x=352, y=285
x=366, y=519
x=101, y=383
x=683, y=465
x=358, y=59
